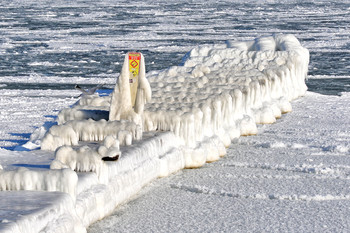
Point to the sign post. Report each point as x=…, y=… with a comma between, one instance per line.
x=134, y=68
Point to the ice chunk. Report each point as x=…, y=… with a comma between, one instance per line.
x=58, y=136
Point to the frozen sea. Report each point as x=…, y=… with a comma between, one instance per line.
x=293, y=176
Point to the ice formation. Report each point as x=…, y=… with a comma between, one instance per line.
x=88, y=158
x=220, y=93
x=89, y=130
x=63, y=180
x=93, y=107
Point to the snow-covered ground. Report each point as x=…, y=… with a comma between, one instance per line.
x=291, y=177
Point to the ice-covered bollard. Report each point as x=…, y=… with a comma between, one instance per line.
x=125, y=103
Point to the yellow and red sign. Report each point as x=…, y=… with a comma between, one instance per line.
x=134, y=64
x=134, y=68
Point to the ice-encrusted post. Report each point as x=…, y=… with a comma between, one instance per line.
x=121, y=103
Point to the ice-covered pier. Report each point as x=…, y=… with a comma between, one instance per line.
x=184, y=116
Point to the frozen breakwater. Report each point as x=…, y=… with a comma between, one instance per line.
x=220, y=93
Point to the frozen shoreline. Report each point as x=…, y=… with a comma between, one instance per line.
x=266, y=80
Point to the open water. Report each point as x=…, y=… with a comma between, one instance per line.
x=88, y=39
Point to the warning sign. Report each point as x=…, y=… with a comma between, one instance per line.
x=134, y=68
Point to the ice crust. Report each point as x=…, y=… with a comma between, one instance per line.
x=219, y=93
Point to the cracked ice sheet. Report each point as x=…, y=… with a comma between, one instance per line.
x=294, y=176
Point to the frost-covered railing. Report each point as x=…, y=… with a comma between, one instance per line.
x=225, y=90
x=89, y=130
x=63, y=180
